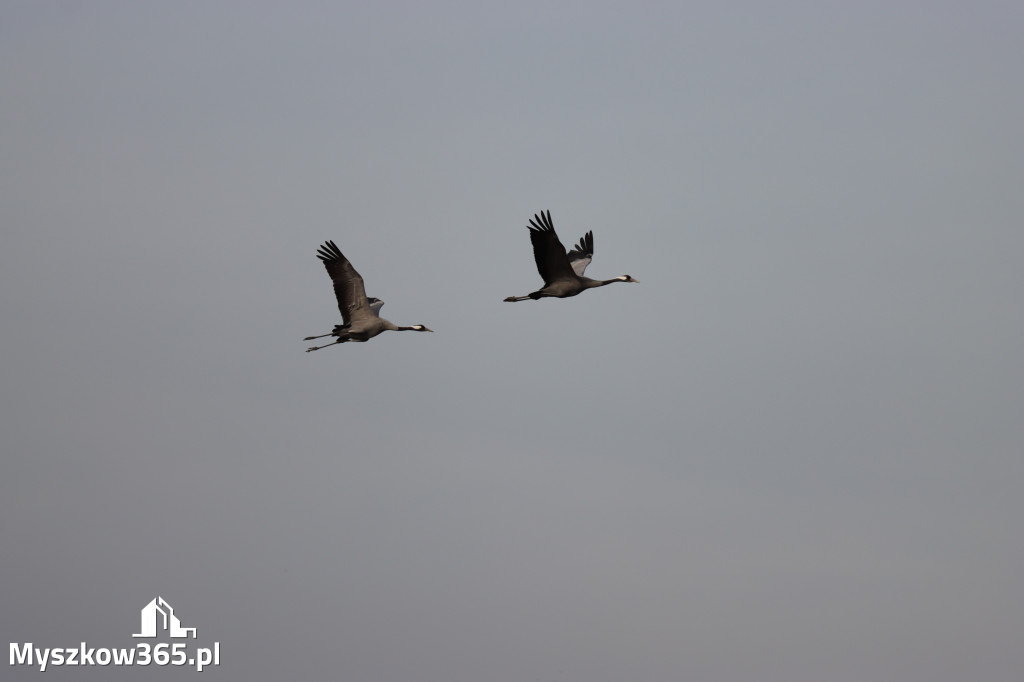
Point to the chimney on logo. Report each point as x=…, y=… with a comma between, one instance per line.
x=170, y=621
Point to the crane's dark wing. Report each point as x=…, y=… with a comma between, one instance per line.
x=552, y=263
x=582, y=254
x=348, y=285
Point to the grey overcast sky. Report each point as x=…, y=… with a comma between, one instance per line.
x=792, y=452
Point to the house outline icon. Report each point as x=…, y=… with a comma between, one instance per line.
x=171, y=623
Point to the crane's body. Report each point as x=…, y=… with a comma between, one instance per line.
x=562, y=272
x=360, y=316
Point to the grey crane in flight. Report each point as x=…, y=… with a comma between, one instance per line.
x=360, y=316
x=562, y=272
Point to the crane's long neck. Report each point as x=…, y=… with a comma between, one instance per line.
x=413, y=328
x=591, y=283
x=388, y=325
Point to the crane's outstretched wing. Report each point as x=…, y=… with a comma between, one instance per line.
x=548, y=252
x=375, y=305
x=348, y=285
x=582, y=254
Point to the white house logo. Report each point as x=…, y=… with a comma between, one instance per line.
x=171, y=623
x=158, y=619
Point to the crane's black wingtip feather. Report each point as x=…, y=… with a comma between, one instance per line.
x=541, y=222
x=585, y=247
x=329, y=251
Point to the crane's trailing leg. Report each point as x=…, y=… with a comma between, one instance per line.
x=310, y=338
x=312, y=348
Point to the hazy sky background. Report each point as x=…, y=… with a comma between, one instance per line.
x=792, y=452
